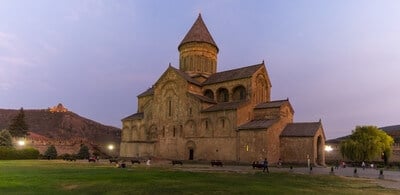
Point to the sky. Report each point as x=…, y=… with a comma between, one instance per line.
x=338, y=61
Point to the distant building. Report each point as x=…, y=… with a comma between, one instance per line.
x=393, y=131
x=58, y=108
x=197, y=113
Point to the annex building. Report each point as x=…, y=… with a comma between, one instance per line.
x=196, y=113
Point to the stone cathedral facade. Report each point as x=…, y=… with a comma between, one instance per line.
x=196, y=113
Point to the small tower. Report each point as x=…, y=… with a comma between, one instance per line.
x=198, y=51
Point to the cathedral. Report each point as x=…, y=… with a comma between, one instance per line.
x=196, y=113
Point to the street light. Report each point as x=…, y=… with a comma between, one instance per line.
x=111, y=147
x=328, y=148
x=21, y=142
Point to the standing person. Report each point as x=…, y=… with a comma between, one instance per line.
x=265, y=165
x=363, y=165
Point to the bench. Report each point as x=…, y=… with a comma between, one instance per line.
x=135, y=161
x=216, y=163
x=174, y=162
x=257, y=165
x=114, y=160
x=69, y=159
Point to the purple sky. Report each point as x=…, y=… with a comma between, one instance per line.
x=335, y=60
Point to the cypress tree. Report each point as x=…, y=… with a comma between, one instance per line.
x=18, y=127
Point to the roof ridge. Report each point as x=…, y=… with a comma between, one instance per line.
x=236, y=69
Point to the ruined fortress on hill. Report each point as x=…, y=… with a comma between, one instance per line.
x=65, y=130
x=196, y=113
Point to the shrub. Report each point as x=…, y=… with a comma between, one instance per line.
x=9, y=153
x=51, y=152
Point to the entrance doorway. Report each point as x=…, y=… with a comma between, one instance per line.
x=191, y=154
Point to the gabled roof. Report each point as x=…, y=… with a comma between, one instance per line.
x=301, y=129
x=257, y=124
x=271, y=104
x=138, y=115
x=203, y=98
x=234, y=74
x=186, y=76
x=198, y=33
x=224, y=106
x=149, y=91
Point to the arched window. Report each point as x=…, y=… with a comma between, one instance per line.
x=222, y=95
x=239, y=93
x=209, y=93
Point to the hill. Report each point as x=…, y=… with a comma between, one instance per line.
x=66, y=130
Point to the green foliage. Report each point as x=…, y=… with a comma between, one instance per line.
x=83, y=152
x=8, y=153
x=5, y=138
x=366, y=143
x=51, y=152
x=18, y=127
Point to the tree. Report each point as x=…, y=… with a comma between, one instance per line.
x=51, y=152
x=83, y=152
x=367, y=143
x=18, y=127
x=5, y=138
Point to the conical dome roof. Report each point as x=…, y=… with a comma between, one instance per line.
x=198, y=33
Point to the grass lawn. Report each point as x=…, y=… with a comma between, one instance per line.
x=59, y=177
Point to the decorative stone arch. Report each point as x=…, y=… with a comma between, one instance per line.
x=135, y=133
x=206, y=128
x=261, y=89
x=190, y=148
x=222, y=127
x=169, y=101
x=151, y=133
x=141, y=132
x=126, y=133
x=239, y=93
x=190, y=128
x=209, y=93
x=222, y=95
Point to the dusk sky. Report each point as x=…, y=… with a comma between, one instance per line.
x=338, y=61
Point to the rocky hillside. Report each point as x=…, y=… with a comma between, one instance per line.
x=66, y=130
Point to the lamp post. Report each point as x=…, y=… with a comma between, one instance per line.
x=21, y=143
x=111, y=148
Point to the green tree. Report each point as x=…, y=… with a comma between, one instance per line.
x=367, y=143
x=83, y=152
x=5, y=138
x=51, y=152
x=18, y=127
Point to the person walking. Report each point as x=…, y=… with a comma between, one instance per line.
x=265, y=165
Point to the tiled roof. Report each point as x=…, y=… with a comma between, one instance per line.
x=271, y=104
x=257, y=124
x=301, y=129
x=234, y=74
x=198, y=33
x=149, y=91
x=138, y=115
x=224, y=106
x=186, y=76
x=203, y=98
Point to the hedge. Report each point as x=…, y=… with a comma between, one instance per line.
x=9, y=153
